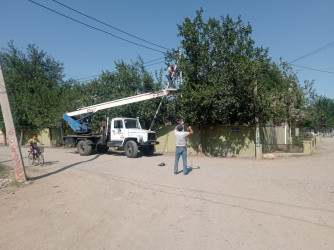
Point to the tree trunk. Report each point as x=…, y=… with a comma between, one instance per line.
x=21, y=137
x=200, y=139
x=50, y=133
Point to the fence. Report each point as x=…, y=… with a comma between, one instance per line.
x=305, y=147
x=217, y=140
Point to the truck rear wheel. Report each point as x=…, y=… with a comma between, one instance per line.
x=84, y=148
x=131, y=149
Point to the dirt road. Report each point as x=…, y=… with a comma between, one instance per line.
x=112, y=202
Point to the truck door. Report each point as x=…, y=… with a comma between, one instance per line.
x=117, y=131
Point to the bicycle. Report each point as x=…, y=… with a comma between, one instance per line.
x=36, y=155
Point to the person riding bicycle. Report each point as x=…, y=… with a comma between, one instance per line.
x=33, y=143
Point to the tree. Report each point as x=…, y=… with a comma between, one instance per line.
x=323, y=110
x=290, y=97
x=34, y=80
x=219, y=65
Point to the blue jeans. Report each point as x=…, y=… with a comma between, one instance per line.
x=180, y=151
x=170, y=81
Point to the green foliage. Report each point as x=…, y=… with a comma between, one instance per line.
x=227, y=80
x=5, y=171
x=72, y=95
x=321, y=114
x=221, y=67
x=325, y=111
x=289, y=97
x=127, y=80
x=298, y=141
x=39, y=96
x=33, y=81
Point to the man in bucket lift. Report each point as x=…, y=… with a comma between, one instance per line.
x=169, y=74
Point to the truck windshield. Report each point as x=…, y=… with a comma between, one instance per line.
x=130, y=123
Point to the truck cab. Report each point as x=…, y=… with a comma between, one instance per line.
x=127, y=133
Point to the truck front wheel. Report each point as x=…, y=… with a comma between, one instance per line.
x=131, y=149
x=84, y=148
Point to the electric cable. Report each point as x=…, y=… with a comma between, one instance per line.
x=87, y=77
x=154, y=63
x=154, y=60
x=315, y=51
x=83, y=78
x=92, y=27
x=109, y=25
x=330, y=72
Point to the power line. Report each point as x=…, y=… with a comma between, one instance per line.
x=330, y=72
x=314, y=52
x=87, y=77
x=154, y=63
x=79, y=79
x=92, y=27
x=110, y=25
x=155, y=60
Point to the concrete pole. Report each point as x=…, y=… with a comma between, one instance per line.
x=257, y=139
x=285, y=132
x=180, y=71
x=15, y=150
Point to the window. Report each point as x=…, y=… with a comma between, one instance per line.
x=131, y=123
x=118, y=124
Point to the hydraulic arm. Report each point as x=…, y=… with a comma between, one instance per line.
x=82, y=125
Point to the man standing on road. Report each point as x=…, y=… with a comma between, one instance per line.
x=181, y=147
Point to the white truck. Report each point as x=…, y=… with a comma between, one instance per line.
x=120, y=132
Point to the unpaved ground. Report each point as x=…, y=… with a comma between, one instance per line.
x=112, y=202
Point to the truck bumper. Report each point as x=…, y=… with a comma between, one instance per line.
x=148, y=143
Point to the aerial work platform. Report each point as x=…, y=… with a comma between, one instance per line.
x=122, y=101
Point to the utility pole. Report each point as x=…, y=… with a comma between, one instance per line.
x=257, y=126
x=15, y=150
x=180, y=71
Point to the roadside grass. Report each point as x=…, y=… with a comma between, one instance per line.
x=5, y=171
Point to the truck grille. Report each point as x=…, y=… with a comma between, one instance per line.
x=152, y=137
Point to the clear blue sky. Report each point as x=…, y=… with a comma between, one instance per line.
x=289, y=28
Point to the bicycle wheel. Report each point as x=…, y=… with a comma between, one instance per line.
x=40, y=158
x=31, y=158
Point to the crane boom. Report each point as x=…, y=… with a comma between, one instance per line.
x=80, y=126
x=120, y=102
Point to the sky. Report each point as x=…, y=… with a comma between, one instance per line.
x=290, y=29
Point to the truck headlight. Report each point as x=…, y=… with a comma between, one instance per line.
x=140, y=139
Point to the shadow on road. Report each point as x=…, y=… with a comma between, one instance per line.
x=189, y=169
x=63, y=169
x=118, y=153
